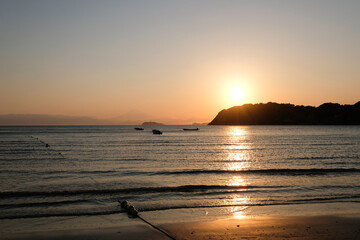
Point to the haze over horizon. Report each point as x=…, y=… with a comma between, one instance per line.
x=175, y=60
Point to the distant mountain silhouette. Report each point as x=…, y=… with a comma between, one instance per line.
x=289, y=114
x=199, y=124
x=133, y=117
x=42, y=119
x=130, y=118
x=152, y=124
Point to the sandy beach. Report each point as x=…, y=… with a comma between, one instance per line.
x=119, y=226
x=324, y=227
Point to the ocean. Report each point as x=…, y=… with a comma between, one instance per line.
x=50, y=171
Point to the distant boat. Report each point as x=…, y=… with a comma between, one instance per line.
x=137, y=128
x=155, y=131
x=191, y=129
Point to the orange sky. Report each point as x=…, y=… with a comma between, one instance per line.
x=175, y=60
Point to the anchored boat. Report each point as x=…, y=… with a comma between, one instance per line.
x=191, y=129
x=155, y=131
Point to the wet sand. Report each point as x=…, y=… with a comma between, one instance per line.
x=117, y=226
x=300, y=228
x=120, y=227
x=300, y=222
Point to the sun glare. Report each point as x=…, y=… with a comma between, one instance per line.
x=237, y=94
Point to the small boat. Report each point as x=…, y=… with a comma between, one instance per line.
x=155, y=131
x=138, y=128
x=191, y=129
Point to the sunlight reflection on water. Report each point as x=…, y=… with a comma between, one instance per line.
x=238, y=212
x=238, y=159
x=238, y=155
x=237, y=132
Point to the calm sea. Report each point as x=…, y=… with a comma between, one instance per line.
x=85, y=170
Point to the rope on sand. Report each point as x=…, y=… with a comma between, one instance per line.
x=132, y=212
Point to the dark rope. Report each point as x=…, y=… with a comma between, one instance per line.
x=155, y=227
x=132, y=212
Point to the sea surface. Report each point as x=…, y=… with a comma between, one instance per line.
x=86, y=170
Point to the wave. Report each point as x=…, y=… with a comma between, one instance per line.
x=68, y=172
x=41, y=204
x=118, y=210
x=184, y=188
x=326, y=199
x=297, y=202
x=284, y=171
x=64, y=214
x=324, y=158
x=198, y=189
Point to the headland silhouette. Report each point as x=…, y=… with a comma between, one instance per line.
x=289, y=114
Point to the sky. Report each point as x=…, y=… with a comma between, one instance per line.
x=175, y=59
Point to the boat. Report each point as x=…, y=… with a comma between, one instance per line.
x=155, y=131
x=138, y=128
x=191, y=129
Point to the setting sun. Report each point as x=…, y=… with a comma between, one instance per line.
x=237, y=94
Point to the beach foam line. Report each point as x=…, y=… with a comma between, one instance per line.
x=273, y=171
x=212, y=189
x=61, y=214
x=117, y=210
x=183, y=188
x=282, y=171
x=324, y=158
x=41, y=204
x=348, y=198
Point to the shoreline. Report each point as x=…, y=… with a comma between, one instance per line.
x=273, y=228
x=254, y=223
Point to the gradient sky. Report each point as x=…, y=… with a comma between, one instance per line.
x=175, y=59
